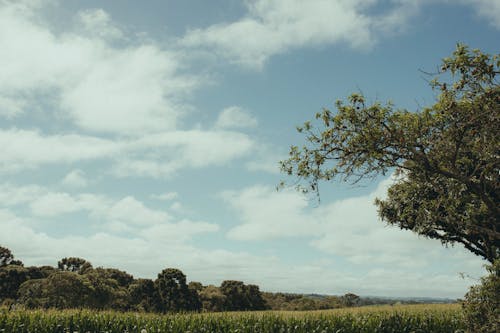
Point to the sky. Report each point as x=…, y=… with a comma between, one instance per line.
x=142, y=135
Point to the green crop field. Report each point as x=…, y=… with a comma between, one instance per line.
x=403, y=318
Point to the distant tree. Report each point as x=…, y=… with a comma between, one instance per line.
x=235, y=295
x=33, y=294
x=106, y=291
x=241, y=297
x=121, y=277
x=350, y=300
x=17, y=262
x=73, y=264
x=212, y=299
x=142, y=295
x=447, y=155
x=173, y=292
x=45, y=271
x=195, y=286
x=254, y=297
x=6, y=256
x=11, y=277
x=65, y=289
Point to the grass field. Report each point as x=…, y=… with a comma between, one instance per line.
x=402, y=318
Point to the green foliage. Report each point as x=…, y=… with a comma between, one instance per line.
x=142, y=295
x=11, y=277
x=446, y=155
x=403, y=319
x=7, y=258
x=212, y=299
x=241, y=297
x=350, y=299
x=173, y=292
x=73, y=264
x=482, y=303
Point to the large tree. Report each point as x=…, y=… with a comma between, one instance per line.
x=446, y=156
x=173, y=293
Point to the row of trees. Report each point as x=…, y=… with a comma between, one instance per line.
x=75, y=283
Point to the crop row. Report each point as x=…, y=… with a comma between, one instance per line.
x=396, y=319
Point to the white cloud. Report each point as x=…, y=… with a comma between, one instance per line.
x=157, y=247
x=98, y=22
x=133, y=212
x=161, y=155
x=178, y=232
x=43, y=202
x=489, y=9
x=155, y=155
x=12, y=195
x=75, y=178
x=235, y=117
x=347, y=228
x=10, y=107
x=275, y=26
x=53, y=204
x=165, y=196
x=267, y=214
x=272, y=27
x=28, y=149
x=101, y=87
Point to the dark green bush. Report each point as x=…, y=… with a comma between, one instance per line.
x=482, y=303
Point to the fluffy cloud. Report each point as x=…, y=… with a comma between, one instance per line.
x=156, y=155
x=163, y=154
x=235, y=117
x=43, y=202
x=98, y=22
x=489, y=9
x=153, y=249
x=347, y=228
x=132, y=211
x=128, y=214
x=272, y=27
x=165, y=196
x=143, y=241
x=267, y=214
x=276, y=26
x=101, y=87
x=75, y=178
x=28, y=149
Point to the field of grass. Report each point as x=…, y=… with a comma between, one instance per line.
x=402, y=318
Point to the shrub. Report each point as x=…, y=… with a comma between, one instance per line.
x=482, y=303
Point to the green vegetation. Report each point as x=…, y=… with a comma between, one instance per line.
x=446, y=158
x=75, y=283
x=447, y=155
x=482, y=303
x=409, y=318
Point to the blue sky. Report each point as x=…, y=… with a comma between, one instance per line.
x=146, y=135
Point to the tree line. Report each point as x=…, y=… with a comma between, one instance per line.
x=75, y=283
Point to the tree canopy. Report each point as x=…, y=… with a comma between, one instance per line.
x=445, y=156
x=68, y=286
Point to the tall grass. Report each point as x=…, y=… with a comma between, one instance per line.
x=429, y=318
